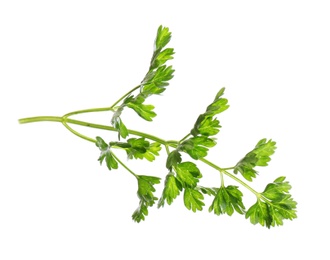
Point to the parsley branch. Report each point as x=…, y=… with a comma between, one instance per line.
x=183, y=177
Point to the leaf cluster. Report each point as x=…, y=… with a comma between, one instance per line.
x=259, y=156
x=154, y=83
x=146, y=195
x=139, y=148
x=106, y=154
x=274, y=205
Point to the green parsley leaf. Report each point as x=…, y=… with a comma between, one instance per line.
x=171, y=190
x=207, y=190
x=259, y=156
x=173, y=159
x=188, y=174
x=277, y=190
x=106, y=154
x=156, y=81
x=146, y=196
x=277, y=206
x=140, y=213
x=146, y=188
x=227, y=200
x=144, y=111
x=206, y=125
x=259, y=213
x=193, y=199
x=197, y=147
x=160, y=58
x=139, y=148
x=163, y=37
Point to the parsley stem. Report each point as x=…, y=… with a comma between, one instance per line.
x=124, y=96
x=78, y=134
x=100, y=109
x=124, y=165
x=184, y=138
x=231, y=176
x=167, y=149
x=40, y=119
x=92, y=125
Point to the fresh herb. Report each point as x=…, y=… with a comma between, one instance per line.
x=273, y=205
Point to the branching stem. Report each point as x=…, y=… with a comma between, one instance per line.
x=171, y=143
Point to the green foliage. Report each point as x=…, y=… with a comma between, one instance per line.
x=197, y=146
x=188, y=174
x=146, y=189
x=206, y=124
x=173, y=159
x=172, y=189
x=227, y=200
x=276, y=206
x=106, y=154
x=145, y=193
x=144, y=111
x=193, y=199
x=259, y=156
x=139, y=148
x=154, y=83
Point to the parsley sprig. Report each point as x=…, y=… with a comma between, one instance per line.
x=182, y=178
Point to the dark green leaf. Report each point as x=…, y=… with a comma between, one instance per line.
x=139, y=148
x=208, y=191
x=197, y=147
x=278, y=205
x=277, y=190
x=259, y=156
x=193, y=199
x=145, y=193
x=188, y=174
x=144, y=111
x=227, y=200
x=146, y=189
x=140, y=213
x=106, y=154
x=259, y=213
x=205, y=124
x=171, y=190
x=101, y=144
x=156, y=81
x=173, y=159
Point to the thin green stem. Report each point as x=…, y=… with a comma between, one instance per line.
x=78, y=134
x=167, y=149
x=124, y=96
x=184, y=138
x=231, y=176
x=228, y=168
x=124, y=165
x=222, y=179
x=100, y=109
x=40, y=119
x=92, y=125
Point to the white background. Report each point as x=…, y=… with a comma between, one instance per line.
x=56, y=202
